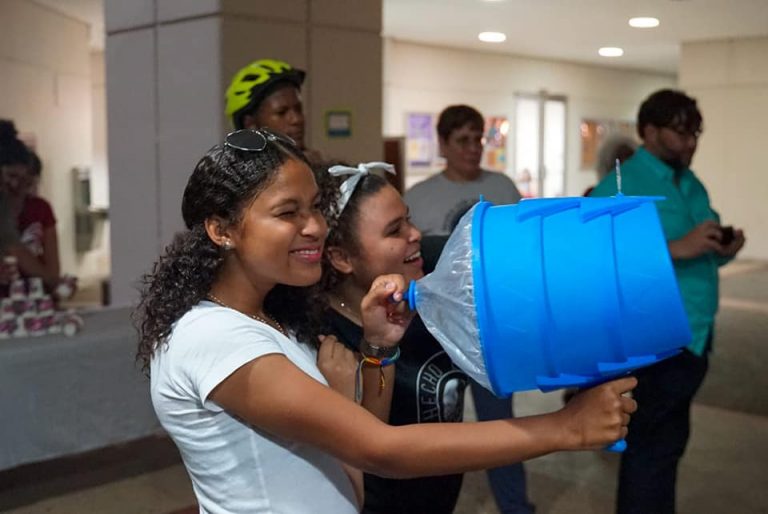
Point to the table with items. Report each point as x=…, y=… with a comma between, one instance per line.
x=66, y=394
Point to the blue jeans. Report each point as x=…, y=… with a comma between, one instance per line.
x=658, y=434
x=507, y=482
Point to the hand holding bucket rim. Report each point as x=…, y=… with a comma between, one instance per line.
x=384, y=315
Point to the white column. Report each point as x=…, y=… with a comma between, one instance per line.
x=168, y=65
x=729, y=79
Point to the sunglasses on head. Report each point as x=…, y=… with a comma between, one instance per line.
x=253, y=140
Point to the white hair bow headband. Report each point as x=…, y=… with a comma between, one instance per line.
x=349, y=185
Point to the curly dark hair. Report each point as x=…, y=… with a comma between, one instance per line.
x=12, y=150
x=342, y=230
x=669, y=108
x=223, y=183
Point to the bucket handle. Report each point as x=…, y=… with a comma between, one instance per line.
x=617, y=446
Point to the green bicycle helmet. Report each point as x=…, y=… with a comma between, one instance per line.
x=252, y=84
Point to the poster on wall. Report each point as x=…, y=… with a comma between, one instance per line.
x=595, y=132
x=420, y=139
x=338, y=123
x=495, y=143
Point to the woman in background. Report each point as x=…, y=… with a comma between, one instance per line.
x=33, y=216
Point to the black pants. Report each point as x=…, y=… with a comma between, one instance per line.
x=658, y=434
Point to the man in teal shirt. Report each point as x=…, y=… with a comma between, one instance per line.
x=669, y=123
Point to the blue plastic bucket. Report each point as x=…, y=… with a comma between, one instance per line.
x=573, y=291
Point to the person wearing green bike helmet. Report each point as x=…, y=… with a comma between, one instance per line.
x=267, y=93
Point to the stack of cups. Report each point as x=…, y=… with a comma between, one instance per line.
x=71, y=323
x=7, y=318
x=36, y=289
x=26, y=316
x=66, y=287
x=45, y=313
x=18, y=289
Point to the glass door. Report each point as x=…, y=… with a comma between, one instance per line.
x=540, y=144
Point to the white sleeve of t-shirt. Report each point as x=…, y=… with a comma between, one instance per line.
x=211, y=343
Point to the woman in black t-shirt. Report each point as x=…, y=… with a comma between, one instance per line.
x=370, y=235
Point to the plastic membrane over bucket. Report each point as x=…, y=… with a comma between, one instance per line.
x=553, y=293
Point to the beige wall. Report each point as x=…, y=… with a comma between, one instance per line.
x=47, y=89
x=100, y=180
x=421, y=78
x=730, y=81
x=97, y=263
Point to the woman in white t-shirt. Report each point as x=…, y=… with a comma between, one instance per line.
x=264, y=416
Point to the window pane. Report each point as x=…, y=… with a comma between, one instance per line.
x=527, y=146
x=554, y=148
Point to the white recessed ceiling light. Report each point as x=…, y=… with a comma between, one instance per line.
x=611, y=51
x=643, y=22
x=492, y=37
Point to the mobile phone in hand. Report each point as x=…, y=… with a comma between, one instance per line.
x=727, y=235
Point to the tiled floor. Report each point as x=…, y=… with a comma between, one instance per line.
x=725, y=469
